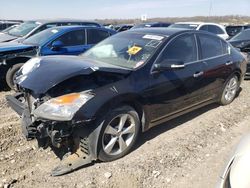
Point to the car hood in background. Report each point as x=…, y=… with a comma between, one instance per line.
x=239, y=43
x=4, y=37
x=50, y=71
x=12, y=47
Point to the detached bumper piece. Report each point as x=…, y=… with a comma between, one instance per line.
x=71, y=163
x=14, y=101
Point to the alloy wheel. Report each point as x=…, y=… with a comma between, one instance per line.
x=119, y=134
x=231, y=89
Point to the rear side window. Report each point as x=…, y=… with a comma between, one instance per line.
x=95, y=35
x=211, y=46
x=73, y=38
x=182, y=48
x=215, y=29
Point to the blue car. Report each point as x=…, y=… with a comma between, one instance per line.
x=65, y=40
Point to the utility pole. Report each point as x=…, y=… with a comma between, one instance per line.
x=210, y=8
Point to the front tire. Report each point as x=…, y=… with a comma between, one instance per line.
x=10, y=76
x=119, y=133
x=230, y=90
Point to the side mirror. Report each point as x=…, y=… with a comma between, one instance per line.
x=169, y=64
x=57, y=45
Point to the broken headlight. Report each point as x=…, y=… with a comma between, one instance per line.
x=62, y=108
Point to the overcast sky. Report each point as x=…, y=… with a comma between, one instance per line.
x=100, y=9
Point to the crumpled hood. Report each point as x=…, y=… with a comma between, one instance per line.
x=239, y=43
x=4, y=37
x=14, y=46
x=52, y=70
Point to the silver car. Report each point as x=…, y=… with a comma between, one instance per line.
x=237, y=170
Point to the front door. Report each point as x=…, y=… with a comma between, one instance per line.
x=74, y=43
x=174, y=90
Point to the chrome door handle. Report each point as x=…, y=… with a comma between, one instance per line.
x=198, y=74
x=229, y=63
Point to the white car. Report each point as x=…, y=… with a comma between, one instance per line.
x=236, y=174
x=210, y=27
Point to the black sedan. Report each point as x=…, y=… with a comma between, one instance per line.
x=242, y=42
x=94, y=106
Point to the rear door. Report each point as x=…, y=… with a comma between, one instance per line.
x=175, y=90
x=218, y=62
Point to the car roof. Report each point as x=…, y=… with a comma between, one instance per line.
x=9, y=22
x=61, y=21
x=70, y=27
x=167, y=32
x=197, y=23
x=159, y=30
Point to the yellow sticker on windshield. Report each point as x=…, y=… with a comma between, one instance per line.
x=134, y=50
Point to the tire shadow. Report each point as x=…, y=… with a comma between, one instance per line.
x=3, y=86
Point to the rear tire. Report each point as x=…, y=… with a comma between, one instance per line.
x=230, y=90
x=120, y=129
x=10, y=76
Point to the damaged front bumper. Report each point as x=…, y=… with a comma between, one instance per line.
x=15, y=102
x=69, y=141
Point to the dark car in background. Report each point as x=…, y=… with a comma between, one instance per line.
x=93, y=106
x=29, y=28
x=123, y=27
x=242, y=42
x=233, y=30
x=64, y=40
x=5, y=24
x=152, y=24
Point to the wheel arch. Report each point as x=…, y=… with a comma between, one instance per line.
x=132, y=100
x=20, y=59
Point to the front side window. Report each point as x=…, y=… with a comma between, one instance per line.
x=182, y=48
x=73, y=38
x=95, y=35
x=210, y=46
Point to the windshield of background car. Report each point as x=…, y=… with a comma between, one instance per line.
x=127, y=50
x=23, y=29
x=244, y=35
x=41, y=37
x=184, y=26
